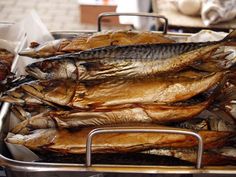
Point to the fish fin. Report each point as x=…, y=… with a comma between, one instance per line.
x=232, y=76
x=225, y=97
x=16, y=82
x=21, y=128
x=230, y=39
x=231, y=35
x=225, y=115
x=221, y=55
x=20, y=113
x=222, y=105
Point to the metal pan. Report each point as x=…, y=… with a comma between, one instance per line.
x=20, y=168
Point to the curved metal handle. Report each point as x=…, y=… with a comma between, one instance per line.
x=3, y=112
x=109, y=14
x=141, y=130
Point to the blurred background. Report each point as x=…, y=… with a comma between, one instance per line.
x=183, y=15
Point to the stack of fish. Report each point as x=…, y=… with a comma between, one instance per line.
x=131, y=79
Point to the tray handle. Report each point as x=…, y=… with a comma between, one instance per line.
x=109, y=14
x=141, y=130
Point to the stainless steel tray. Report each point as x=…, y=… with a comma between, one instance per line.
x=20, y=168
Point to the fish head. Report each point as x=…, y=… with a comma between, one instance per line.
x=38, y=137
x=55, y=91
x=41, y=121
x=53, y=69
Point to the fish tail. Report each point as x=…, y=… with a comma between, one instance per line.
x=226, y=118
x=19, y=112
x=223, y=104
x=226, y=97
x=16, y=82
x=21, y=128
x=232, y=75
x=230, y=37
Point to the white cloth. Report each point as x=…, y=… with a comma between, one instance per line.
x=215, y=11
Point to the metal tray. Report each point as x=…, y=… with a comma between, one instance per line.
x=19, y=168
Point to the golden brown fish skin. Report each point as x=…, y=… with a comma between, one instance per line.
x=50, y=48
x=18, y=96
x=157, y=114
x=65, y=141
x=110, y=67
x=170, y=57
x=127, y=61
x=207, y=120
x=21, y=128
x=19, y=113
x=54, y=69
x=116, y=38
x=168, y=54
x=116, y=92
x=154, y=113
x=85, y=42
x=216, y=63
x=144, y=91
x=30, y=110
x=97, y=70
x=39, y=121
x=56, y=91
